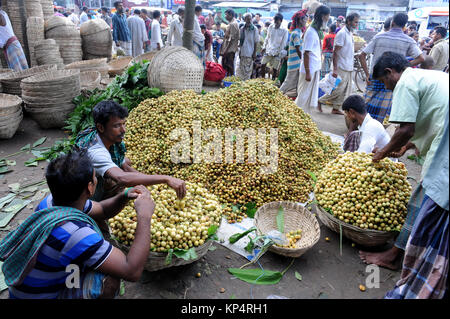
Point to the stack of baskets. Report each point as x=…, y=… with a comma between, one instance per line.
x=33, y=8
x=10, y=115
x=47, y=52
x=145, y=56
x=16, y=11
x=90, y=80
x=11, y=81
x=66, y=35
x=176, y=68
x=35, y=33
x=117, y=66
x=3, y=71
x=96, y=39
x=48, y=96
x=99, y=65
x=47, y=8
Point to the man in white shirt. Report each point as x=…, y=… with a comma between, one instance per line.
x=365, y=133
x=273, y=49
x=249, y=37
x=175, y=36
x=138, y=33
x=156, y=41
x=84, y=15
x=74, y=18
x=344, y=50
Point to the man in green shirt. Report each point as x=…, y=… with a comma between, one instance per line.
x=419, y=105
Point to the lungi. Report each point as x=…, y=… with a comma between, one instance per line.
x=228, y=63
x=199, y=51
x=290, y=84
x=14, y=55
x=352, y=141
x=272, y=61
x=326, y=65
x=378, y=100
x=245, y=68
x=91, y=287
x=308, y=92
x=339, y=94
x=425, y=265
x=126, y=47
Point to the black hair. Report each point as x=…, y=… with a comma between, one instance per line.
x=278, y=16
x=267, y=24
x=387, y=23
x=198, y=8
x=258, y=25
x=441, y=30
x=289, y=25
x=389, y=60
x=355, y=102
x=202, y=26
x=116, y=4
x=400, y=19
x=321, y=11
x=104, y=110
x=332, y=28
x=180, y=9
x=230, y=11
x=84, y=8
x=352, y=16
x=412, y=33
x=412, y=23
x=144, y=11
x=68, y=176
x=218, y=23
x=105, y=9
x=258, y=14
x=55, y=10
x=137, y=11
x=156, y=14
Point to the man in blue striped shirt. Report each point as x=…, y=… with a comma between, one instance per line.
x=76, y=241
x=121, y=33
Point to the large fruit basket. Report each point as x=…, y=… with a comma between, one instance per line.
x=295, y=217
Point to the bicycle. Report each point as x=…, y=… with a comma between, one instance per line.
x=360, y=75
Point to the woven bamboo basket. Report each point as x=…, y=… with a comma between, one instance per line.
x=35, y=33
x=364, y=237
x=145, y=56
x=47, y=8
x=34, y=8
x=295, y=217
x=359, y=45
x=11, y=81
x=52, y=117
x=99, y=65
x=118, y=66
x=90, y=80
x=10, y=115
x=175, y=68
x=157, y=260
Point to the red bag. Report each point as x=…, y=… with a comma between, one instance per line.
x=214, y=72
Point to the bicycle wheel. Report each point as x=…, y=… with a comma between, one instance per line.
x=360, y=79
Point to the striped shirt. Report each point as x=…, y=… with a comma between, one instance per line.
x=71, y=242
x=293, y=59
x=47, y=202
x=120, y=28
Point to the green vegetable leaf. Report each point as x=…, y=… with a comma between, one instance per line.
x=5, y=169
x=257, y=276
x=313, y=176
x=39, y=141
x=189, y=254
x=31, y=162
x=280, y=220
x=169, y=256
x=26, y=147
x=234, y=238
x=251, y=209
x=212, y=248
x=14, y=187
x=6, y=199
x=212, y=229
x=298, y=276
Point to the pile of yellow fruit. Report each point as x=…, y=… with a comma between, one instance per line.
x=293, y=237
x=301, y=147
x=181, y=224
x=363, y=193
x=232, y=79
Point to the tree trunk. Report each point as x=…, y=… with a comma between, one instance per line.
x=189, y=16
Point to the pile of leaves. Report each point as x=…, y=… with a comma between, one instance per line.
x=128, y=89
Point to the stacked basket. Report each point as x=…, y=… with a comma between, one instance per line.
x=47, y=52
x=97, y=39
x=3, y=71
x=33, y=8
x=90, y=80
x=35, y=33
x=117, y=66
x=176, y=68
x=16, y=10
x=99, y=65
x=148, y=56
x=48, y=96
x=10, y=115
x=66, y=35
x=11, y=81
x=47, y=9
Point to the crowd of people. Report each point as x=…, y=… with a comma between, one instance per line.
x=407, y=85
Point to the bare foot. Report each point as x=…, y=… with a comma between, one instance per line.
x=319, y=108
x=334, y=111
x=388, y=259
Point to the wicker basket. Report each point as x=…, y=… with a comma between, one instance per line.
x=157, y=260
x=118, y=66
x=10, y=115
x=11, y=81
x=359, y=45
x=35, y=33
x=295, y=217
x=34, y=8
x=90, y=80
x=364, y=237
x=176, y=68
x=99, y=65
x=47, y=8
x=145, y=56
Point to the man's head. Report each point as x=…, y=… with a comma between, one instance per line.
x=352, y=21
x=439, y=33
x=389, y=68
x=229, y=15
x=248, y=18
x=85, y=9
x=321, y=16
x=203, y=28
x=428, y=64
x=127, y=11
x=137, y=12
x=104, y=10
x=156, y=14
x=412, y=26
x=144, y=13
x=71, y=177
x=277, y=19
x=399, y=20
x=181, y=12
x=387, y=23
x=299, y=19
x=218, y=24
x=267, y=24
x=332, y=28
x=119, y=6
x=109, y=119
x=340, y=20
x=166, y=13
x=198, y=11
x=354, y=107
x=414, y=35
x=257, y=17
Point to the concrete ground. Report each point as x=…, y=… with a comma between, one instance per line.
x=326, y=273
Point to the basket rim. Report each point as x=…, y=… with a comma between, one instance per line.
x=14, y=99
x=75, y=65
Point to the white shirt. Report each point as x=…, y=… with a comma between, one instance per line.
x=83, y=18
x=100, y=157
x=344, y=39
x=197, y=36
x=276, y=40
x=175, y=36
x=74, y=18
x=373, y=135
x=6, y=32
x=311, y=43
x=156, y=35
x=251, y=37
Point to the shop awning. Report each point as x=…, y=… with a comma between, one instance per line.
x=241, y=5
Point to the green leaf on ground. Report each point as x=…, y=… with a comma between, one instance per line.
x=11, y=210
x=26, y=147
x=233, y=297
x=14, y=187
x=6, y=199
x=298, y=276
x=280, y=219
x=189, y=254
x=39, y=141
x=257, y=276
x=234, y=238
x=212, y=248
x=122, y=288
x=5, y=169
x=11, y=163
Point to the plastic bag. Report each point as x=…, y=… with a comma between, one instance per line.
x=328, y=84
x=277, y=237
